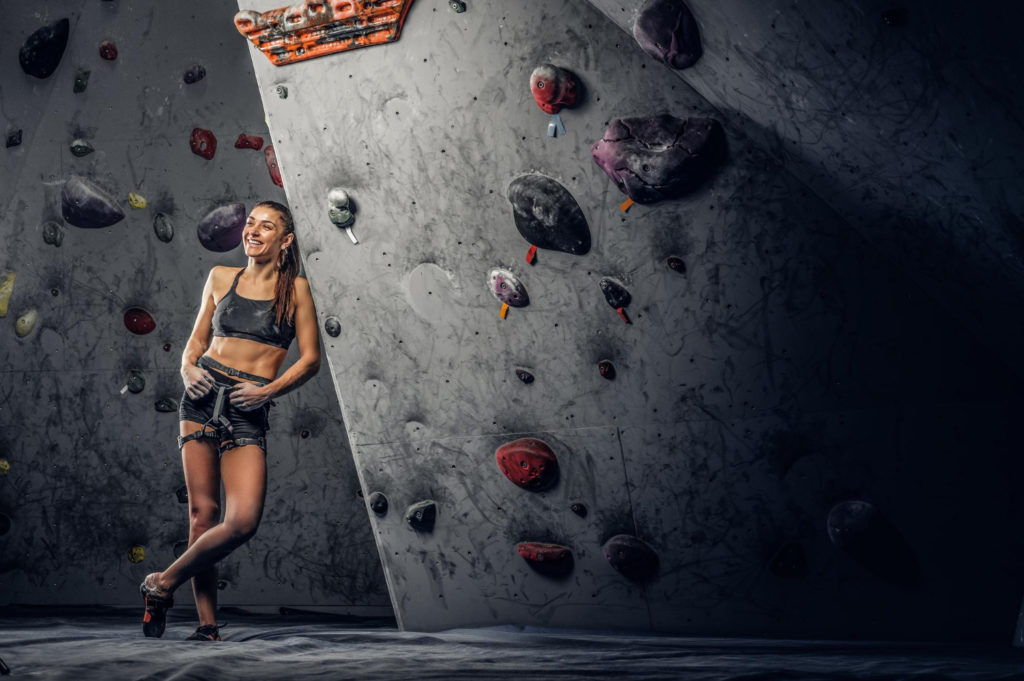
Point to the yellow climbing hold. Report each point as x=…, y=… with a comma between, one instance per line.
x=5, y=466
x=136, y=201
x=6, y=289
x=26, y=323
x=137, y=554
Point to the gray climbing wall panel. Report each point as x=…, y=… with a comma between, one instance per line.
x=93, y=470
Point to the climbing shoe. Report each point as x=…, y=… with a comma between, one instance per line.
x=155, y=619
x=207, y=632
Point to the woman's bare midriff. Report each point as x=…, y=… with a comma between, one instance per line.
x=246, y=355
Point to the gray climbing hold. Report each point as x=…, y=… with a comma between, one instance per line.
x=547, y=215
x=632, y=557
x=166, y=405
x=458, y=6
x=332, y=326
x=85, y=205
x=379, y=503
x=81, y=148
x=14, y=138
x=339, y=208
x=53, y=234
x=221, y=229
x=163, y=227
x=667, y=30
x=41, y=53
x=507, y=288
x=81, y=80
x=282, y=91
x=421, y=516
x=136, y=382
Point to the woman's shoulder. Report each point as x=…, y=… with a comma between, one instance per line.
x=301, y=285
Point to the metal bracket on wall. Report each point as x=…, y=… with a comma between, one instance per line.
x=315, y=28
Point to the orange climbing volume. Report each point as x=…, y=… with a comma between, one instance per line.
x=312, y=28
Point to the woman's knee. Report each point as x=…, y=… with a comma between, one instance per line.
x=242, y=527
x=203, y=515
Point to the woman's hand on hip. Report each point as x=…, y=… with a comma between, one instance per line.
x=197, y=380
x=249, y=396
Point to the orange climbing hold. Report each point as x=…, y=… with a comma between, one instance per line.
x=318, y=27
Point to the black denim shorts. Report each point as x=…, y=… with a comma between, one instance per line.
x=232, y=427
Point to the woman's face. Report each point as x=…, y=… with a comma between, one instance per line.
x=264, y=233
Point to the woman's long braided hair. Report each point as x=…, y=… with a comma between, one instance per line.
x=287, y=268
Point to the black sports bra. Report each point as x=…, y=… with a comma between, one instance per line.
x=238, y=317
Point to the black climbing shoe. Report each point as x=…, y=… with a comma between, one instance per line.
x=155, y=619
x=207, y=632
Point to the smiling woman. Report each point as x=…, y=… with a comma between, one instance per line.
x=247, y=319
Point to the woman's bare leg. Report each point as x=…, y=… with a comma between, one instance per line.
x=202, y=479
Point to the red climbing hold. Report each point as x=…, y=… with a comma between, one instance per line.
x=203, y=143
x=249, y=142
x=275, y=172
x=108, y=50
x=528, y=462
x=553, y=560
x=139, y=321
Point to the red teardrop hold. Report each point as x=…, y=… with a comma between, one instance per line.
x=203, y=143
x=108, y=50
x=553, y=560
x=528, y=462
x=275, y=172
x=139, y=321
x=249, y=142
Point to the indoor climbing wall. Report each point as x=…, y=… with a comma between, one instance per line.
x=607, y=361
x=136, y=144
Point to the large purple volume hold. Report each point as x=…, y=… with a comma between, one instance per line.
x=221, y=229
x=666, y=30
x=651, y=158
x=42, y=51
x=547, y=215
x=83, y=204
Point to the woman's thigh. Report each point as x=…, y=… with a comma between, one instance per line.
x=244, y=473
x=202, y=471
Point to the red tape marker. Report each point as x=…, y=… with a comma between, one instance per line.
x=531, y=255
x=622, y=313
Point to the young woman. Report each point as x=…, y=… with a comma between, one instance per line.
x=248, y=318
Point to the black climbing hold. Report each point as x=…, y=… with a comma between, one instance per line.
x=80, y=148
x=676, y=263
x=54, y=292
x=163, y=227
x=223, y=584
x=667, y=30
x=53, y=234
x=849, y=522
x=896, y=16
x=221, y=229
x=180, y=547
x=5, y=524
x=14, y=138
x=579, y=509
x=606, y=369
x=182, y=494
x=379, y=503
x=305, y=433
x=166, y=405
x=421, y=516
x=136, y=382
x=547, y=215
x=41, y=53
x=194, y=74
x=634, y=558
x=789, y=562
x=551, y=560
x=458, y=6
x=615, y=293
x=651, y=158
x=332, y=326
x=524, y=376
x=85, y=205
x=81, y=80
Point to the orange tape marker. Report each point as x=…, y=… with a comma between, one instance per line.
x=626, y=205
x=504, y=310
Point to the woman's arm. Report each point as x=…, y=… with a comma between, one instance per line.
x=197, y=380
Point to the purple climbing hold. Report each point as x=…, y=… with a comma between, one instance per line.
x=634, y=558
x=547, y=215
x=42, y=51
x=85, y=205
x=651, y=158
x=221, y=229
x=667, y=30
x=507, y=288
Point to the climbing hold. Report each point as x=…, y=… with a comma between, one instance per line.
x=529, y=463
x=223, y=584
x=163, y=227
x=676, y=263
x=524, y=376
x=81, y=80
x=634, y=558
x=14, y=138
x=606, y=369
x=194, y=74
x=136, y=201
x=305, y=433
x=552, y=560
x=5, y=466
x=553, y=88
x=421, y=516
x=85, y=205
x=6, y=289
x=26, y=323
x=332, y=326
x=379, y=503
x=108, y=50
x=203, y=143
x=547, y=215
x=53, y=234
x=80, y=148
x=579, y=509
x=137, y=554
x=339, y=207
x=166, y=405
x=167, y=347
x=789, y=562
x=849, y=522
x=651, y=158
x=249, y=142
x=275, y=172
x=136, y=382
x=896, y=16
x=667, y=30
x=614, y=292
x=221, y=229
x=5, y=524
x=457, y=6
x=282, y=91
x=139, y=321
x=179, y=547
x=40, y=54
x=182, y=494
x=507, y=288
